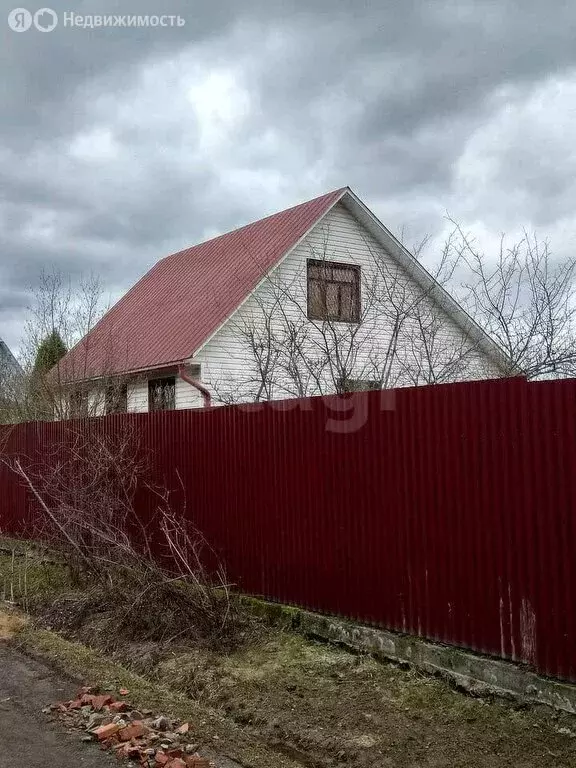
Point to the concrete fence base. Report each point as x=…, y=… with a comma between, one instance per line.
x=479, y=675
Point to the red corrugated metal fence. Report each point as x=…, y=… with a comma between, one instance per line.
x=445, y=511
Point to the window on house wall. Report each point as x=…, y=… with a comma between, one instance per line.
x=116, y=399
x=333, y=291
x=162, y=394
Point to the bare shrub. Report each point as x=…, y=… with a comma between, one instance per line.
x=152, y=571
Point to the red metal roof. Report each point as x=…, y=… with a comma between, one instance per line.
x=171, y=311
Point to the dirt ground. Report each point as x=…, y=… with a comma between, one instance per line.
x=320, y=706
x=330, y=708
x=27, y=740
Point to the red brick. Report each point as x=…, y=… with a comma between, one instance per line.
x=161, y=758
x=109, y=743
x=106, y=731
x=184, y=728
x=176, y=763
x=133, y=731
x=123, y=691
x=76, y=704
x=125, y=749
x=99, y=702
x=194, y=761
x=86, y=699
x=119, y=706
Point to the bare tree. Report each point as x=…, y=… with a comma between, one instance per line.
x=69, y=311
x=399, y=334
x=524, y=298
x=288, y=354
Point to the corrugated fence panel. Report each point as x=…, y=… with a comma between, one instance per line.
x=444, y=511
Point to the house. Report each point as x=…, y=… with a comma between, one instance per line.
x=10, y=373
x=317, y=298
x=8, y=363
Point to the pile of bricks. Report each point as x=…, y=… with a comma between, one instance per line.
x=140, y=737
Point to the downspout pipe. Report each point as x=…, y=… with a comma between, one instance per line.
x=185, y=376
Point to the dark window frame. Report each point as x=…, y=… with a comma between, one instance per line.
x=323, y=274
x=116, y=399
x=167, y=400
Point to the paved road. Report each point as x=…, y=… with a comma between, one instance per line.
x=27, y=738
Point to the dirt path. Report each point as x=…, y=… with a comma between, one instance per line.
x=27, y=738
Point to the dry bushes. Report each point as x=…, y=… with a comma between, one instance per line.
x=150, y=575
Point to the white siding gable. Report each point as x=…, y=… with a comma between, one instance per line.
x=227, y=365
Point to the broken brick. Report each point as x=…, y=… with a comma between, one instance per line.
x=176, y=763
x=104, y=732
x=109, y=743
x=125, y=749
x=184, y=728
x=99, y=702
x=86, y=699
x=162, y=758
x=76, y=704
x=123, y=691
x=133, y=731
x=119, y=706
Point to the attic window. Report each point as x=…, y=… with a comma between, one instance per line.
x=333, y=291
x=162, y=394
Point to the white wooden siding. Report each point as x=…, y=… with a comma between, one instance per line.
x=137, y=397
x=339, y=237
x=187, y=396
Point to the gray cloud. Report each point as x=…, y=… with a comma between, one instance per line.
x=120, y=145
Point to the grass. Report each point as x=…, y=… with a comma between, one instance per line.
x=26, y=573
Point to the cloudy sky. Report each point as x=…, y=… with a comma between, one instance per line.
x=121, y=145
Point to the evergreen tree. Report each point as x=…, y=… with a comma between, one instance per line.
x=50, y=351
